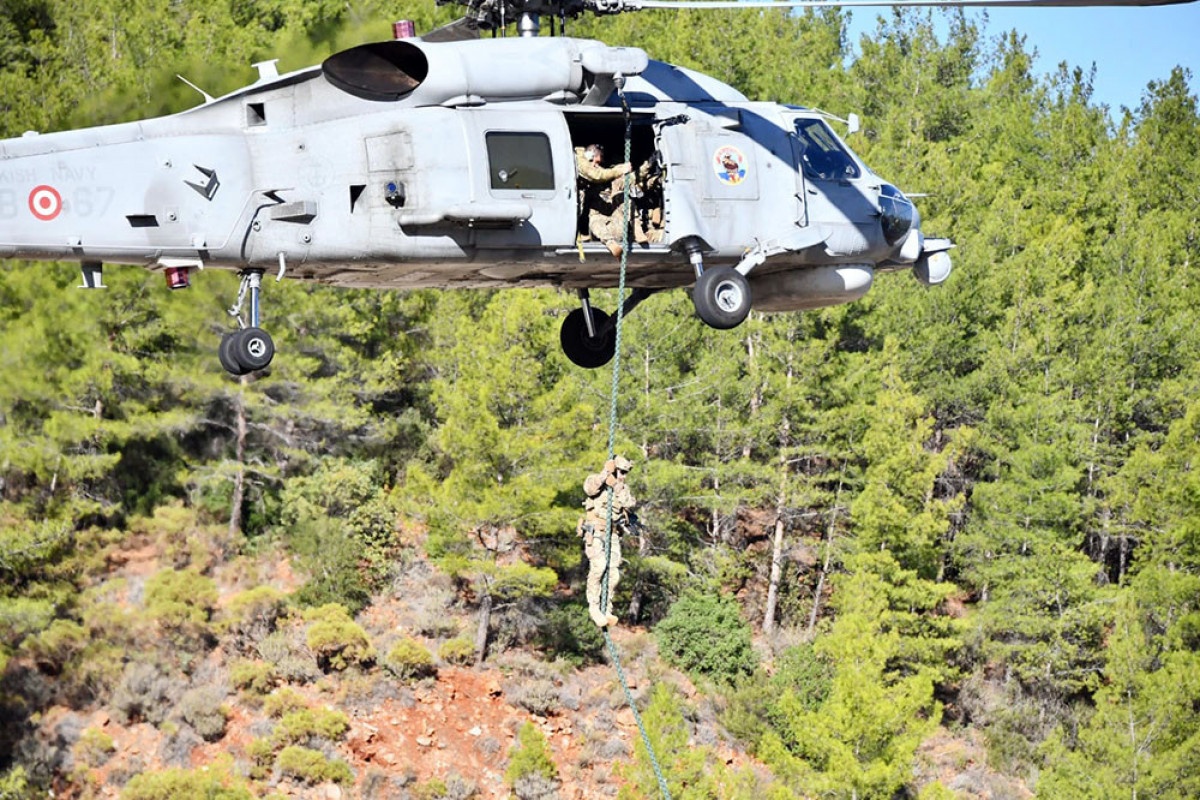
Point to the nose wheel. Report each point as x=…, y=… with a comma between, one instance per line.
x=251, y=348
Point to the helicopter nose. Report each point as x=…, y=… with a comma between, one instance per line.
x=896, y=213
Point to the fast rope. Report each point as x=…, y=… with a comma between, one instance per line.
x=612, y=441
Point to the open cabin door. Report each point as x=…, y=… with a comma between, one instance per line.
x=522, y=177
x=605, y=127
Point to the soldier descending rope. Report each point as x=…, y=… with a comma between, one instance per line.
x=605, y=218
x=592, y=528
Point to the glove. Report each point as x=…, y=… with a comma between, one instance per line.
x=611, y=480
x=610, y=467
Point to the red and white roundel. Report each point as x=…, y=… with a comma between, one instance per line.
x=45, y=202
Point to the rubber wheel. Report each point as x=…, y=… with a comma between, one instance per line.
x=225, y=354
x=583, y=350
x=252, y=348
x=722, y=297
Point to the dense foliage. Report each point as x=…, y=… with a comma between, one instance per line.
x=986, y=496
x=705, y=635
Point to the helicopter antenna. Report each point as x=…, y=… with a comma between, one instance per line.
x=208, y=98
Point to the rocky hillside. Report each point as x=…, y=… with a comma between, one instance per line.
x=193, y=671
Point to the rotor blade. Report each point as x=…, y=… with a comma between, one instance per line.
x=461, y=30
x=639, y=4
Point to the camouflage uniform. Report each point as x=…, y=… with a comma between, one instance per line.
x=648, y=219
x=592, y=529
x=605, y=217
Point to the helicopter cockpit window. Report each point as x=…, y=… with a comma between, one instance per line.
x=520, y=160
x=821, y=154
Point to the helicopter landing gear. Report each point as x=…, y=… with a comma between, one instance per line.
x=589, y=351
x=721, y=294
x=246, y=351
x=251, y=348
x=588, y=335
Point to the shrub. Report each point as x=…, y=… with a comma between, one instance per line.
x=308, y=723
x=409, y=659
x=936, y=791
x=335, y=639
x=202, y=709
x=283, y=702
x=181, y=601
x=365, y=692
x=459, y=788
x=312, y=767
x=182, y=538
x=261, y=753
x=535, y=787
x=23, y=616
x=94, y=747
x=144, y=694
x=261, y=602
x=56, y=645
x=706, y=635
x=176, y=747
x=454, y=787
x=459, y=650
x=537, y=696
x=433, y=789
x=335, y=561
x=15, y=783
x=255, y=677
x=529, y=756
x=216, y=782
x=432, y=617
x=380, y=784
x=754, y=707
x=568, y=633
x=252, y=614
x=292, y=660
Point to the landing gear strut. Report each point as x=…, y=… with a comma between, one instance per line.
x=250, y=348
x=588, y=335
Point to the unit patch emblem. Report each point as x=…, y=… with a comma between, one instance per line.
x=45, y=202
x=730, y=165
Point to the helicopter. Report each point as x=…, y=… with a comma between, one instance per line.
x=449, y=161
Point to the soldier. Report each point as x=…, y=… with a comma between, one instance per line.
x=648, y=219
x=592, y=529
x=605, y=219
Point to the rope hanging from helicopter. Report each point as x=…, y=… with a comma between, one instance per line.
x=626, y=207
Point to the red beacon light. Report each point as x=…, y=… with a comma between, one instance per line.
x=404, y=29
x=177, y=277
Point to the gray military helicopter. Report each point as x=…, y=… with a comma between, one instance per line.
x=448, y=161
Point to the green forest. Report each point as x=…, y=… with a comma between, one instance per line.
x=936, y=543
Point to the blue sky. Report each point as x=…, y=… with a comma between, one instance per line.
x=1130, y=46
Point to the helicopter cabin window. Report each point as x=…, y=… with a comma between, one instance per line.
x=520, y=160
x=256, y=114
x=821, y=154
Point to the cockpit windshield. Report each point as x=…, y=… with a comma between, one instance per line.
x=821, y=154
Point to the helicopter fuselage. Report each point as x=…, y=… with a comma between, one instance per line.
x=408, y=164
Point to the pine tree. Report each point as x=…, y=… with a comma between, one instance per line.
x=861, y=742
